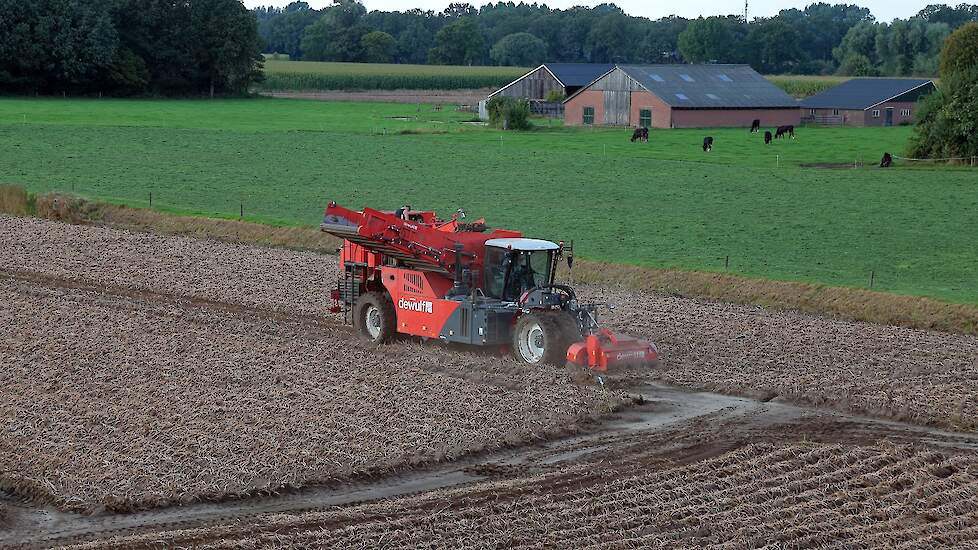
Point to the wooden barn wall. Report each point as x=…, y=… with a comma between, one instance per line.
x=617, y=88
x=535, y=85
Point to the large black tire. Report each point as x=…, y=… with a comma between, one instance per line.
x=542, y=337
x=374, y=318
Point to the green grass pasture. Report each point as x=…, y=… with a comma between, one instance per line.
x=663, y=204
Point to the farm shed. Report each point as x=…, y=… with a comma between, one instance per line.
x=565, y=77
x=681, y=96
x=867, y=102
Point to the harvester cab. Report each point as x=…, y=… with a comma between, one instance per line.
x=462, y=283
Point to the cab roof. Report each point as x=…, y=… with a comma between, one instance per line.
x=522, y=244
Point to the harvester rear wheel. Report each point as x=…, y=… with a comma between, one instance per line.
x=374, y=317
x=541, y=337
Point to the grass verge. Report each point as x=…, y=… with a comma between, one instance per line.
x=846, y=303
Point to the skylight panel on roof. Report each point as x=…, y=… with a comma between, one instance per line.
x=682, y=97
x=724, y=77
x=656, y=77
x=687, y=78
x=711, y=96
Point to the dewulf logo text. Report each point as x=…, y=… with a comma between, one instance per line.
x=630, y=355
x=412, y=305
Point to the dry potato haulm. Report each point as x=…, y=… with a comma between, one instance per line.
x=142, y=370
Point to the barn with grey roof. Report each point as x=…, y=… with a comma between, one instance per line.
x=867, y=102
x=681, y=96
x=565, y=78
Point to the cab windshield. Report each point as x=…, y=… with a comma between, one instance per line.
x=510, y=273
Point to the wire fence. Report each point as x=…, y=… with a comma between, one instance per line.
x=878, y=277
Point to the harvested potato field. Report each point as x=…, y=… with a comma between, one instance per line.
x=119, y=400
x=906, y=374
x=915, y=375
x=750, y=480
x=143, y=372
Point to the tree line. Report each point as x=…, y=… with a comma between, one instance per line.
x=820, y=39
x=128, y=47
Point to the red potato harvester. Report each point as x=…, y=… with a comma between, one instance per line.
x=460, y=282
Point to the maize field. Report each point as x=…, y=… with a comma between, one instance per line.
x=308, y=75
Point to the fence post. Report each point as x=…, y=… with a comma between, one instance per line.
x=151, y=199
x=726, y=264
x=778, y=162
x=241, y=215
x=872, y=278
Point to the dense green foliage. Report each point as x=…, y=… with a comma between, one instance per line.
x=665, y=203
x=900, y=48
x=124, y=47
x=519, y=49
x=947, y=121
x=307, y=75
x=798, y=41
x=508, y=113
x=960, y=51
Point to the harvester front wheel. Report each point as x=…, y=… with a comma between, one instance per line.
x=539, y=338
x=374, y=317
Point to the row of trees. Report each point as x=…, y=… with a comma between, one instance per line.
x=819, y=39
x=128, y=47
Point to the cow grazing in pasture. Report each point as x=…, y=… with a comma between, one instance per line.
x=768, y=138
x=707, y=144
x=785, y=131
x=887, y=160
x=640, y=134
x=755, y=126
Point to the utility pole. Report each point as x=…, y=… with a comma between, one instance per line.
x=745, y=11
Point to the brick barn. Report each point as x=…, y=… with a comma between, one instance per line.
x=681, y=96
x=564, y=77
x=867, y=102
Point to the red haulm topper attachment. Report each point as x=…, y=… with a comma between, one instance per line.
x=603, y=349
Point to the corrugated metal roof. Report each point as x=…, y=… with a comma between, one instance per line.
x=863, y=93
x=709, y=86
x=578, y=74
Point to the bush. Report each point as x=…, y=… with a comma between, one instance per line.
x=947, y=121
x=509, y=113
x=960, y=50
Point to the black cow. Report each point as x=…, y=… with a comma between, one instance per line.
x=887, y=160
x=640, y=134
x=767, y=138
x=707, y=144
x=755, y=126
x=785, y=131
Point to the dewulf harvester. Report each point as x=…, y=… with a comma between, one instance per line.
x=460, y=282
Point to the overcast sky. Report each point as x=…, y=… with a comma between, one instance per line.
x=884, y=10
